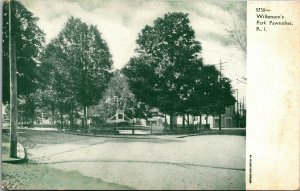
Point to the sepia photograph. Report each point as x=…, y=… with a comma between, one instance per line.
x=124, y=94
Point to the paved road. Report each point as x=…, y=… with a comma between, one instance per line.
x=144, y=162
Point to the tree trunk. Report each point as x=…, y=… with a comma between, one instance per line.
x=220, y=122
x=193, y=117
x=132, y=122
x=171, y=122
x=206, y=119
x=61, y=120
x=200, y=121
x=183, y=120
x=13, y=87
x=188, y=119
x=53, y=114
x=84, y=117
x=72, y=119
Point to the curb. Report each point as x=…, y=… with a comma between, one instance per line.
x=22, y=156
x=136, y=136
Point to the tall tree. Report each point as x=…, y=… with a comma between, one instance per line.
x=167, y=62
x=221, y=96
x=211, y=93
x=56, y=92
x=29, y=42
x=199, y=101
x=118, y=96
x=84, y=57
x=27, y=108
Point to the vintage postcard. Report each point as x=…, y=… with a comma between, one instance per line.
x=150, y=95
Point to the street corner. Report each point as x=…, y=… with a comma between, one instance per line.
x=21, y=154
x=21, y=151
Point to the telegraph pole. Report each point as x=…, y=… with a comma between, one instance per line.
x=220, y=115
x=241, y=111
x=237, y=108
x=221, y=68
x=244, y=113
x=13, y=86
x=243, y=103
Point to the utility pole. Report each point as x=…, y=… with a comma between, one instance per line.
x=243, y=104
x=13, y=86
x=241, y=111
x=244, y=113
x=237, y=108
x=220, y=115
x=132, y=120
x=221, y=68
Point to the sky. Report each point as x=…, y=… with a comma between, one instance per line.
x=120, y=22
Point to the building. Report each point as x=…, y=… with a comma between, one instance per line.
x=227, y=119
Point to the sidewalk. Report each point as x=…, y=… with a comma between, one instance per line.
x=21, y=153
x=33, y=176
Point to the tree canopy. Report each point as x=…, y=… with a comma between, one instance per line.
x=80, y=49
x=162, y=74
x=212, y=94
x=168, y=73
x=29, y=43
x=79, y=64
x=119, y=96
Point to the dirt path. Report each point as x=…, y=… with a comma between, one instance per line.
x=164, y=162
x=41, y=176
